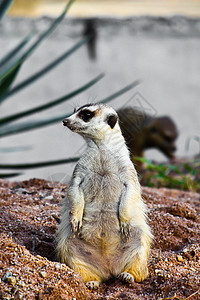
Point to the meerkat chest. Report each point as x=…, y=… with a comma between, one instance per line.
x=102, y=183
x=102, y=187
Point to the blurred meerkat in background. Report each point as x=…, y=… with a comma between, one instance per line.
x=142, y=131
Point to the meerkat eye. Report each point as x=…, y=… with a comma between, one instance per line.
x=86, y=115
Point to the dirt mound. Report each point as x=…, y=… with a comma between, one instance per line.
x=29, y=216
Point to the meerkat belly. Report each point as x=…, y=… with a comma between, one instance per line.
x=100, y=219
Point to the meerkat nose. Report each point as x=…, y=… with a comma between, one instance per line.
x=66, y=122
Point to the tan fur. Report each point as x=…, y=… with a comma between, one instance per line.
x=103, y=231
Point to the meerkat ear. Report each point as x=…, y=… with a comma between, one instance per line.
x=112, y=120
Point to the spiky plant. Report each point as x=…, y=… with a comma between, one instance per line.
x=10, y=66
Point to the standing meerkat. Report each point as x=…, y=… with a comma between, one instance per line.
x=103, y=231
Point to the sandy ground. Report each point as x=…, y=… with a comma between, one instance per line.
x=29, y=216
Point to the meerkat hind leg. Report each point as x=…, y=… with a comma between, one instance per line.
x=92, y=281
x=138, y=270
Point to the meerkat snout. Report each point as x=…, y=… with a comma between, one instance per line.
x=66, y=122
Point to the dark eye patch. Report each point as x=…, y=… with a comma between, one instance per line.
x=86, y=115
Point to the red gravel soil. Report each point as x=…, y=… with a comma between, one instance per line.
x=29, y=217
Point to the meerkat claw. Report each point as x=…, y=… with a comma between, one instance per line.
x=76, y=225
x=126, y=277
x=125, y=230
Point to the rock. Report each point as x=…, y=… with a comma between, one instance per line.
x=190, y=253
x=183, y=210
x=179, y=258
x=43, y=274
x=157, y=271
x=57, y=266
x=6, y=276
x=49, y=197
x=11, y=280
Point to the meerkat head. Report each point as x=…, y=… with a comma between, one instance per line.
x=162, y=133
x=94, y=121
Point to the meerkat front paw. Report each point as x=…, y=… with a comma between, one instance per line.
x=126, y=277
x=125, y=230
x=76, y=224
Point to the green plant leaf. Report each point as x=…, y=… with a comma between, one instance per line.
x=4, y=5
x=189, y=168
x=35, y=44
x=15, y=51
x=50, y=29
x=144, y=160
x=22, y=127
x=10, y=56
x=173, y=168
x=26, y=126
x=45, y=70
x=39, y=164
x=40, y=108
x=14, y=149
x=7, y=81
x=4, y=175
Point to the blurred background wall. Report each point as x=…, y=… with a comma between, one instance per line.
x=156, y=41
x=88, y=8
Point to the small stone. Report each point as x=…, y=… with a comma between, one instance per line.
x=7, y=297
x=19, y=296
x=185, y=250
x=43, y=274
x=180, y=258
x=49, y=197
x=157, y=271
x=11, y=280
x=21, y=283
x=6, y=276
x=192, y=269
x=57, y=266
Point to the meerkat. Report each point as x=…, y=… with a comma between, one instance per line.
x=142, y=131
x=103, y=231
